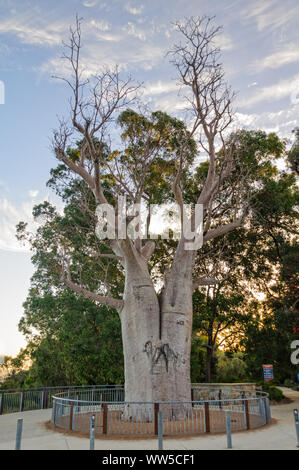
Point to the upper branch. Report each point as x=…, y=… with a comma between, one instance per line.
x=101, y=299
x=197, y=62
x=94, y=103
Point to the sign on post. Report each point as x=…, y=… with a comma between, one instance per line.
x=268, y=372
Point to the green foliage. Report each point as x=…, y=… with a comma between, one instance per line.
x=293, y=155
x=12, y=372
x=231, y=367
x=275, y=322
x=77, y=342
x=275, y=394
x=160, y=136
x=198, y=358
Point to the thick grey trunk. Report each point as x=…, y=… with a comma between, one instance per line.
x=156, y=335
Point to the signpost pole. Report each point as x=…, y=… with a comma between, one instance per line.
x=296, y=417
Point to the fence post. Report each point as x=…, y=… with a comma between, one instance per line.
x=46, y=399
x=19, y=434
x=219, y=397
x=160, y=429
x=192, y=397
x=2, y=403
x=296, y=425
x=105, y=418
x=247, y=415
x=156, y=417
x=207, y=416
x=22, y=398
x=228, y=430
x=92, y=425
x=268, y=409
x=265, y=410
x=261, y=408
x=54, y=412
x=71, y=416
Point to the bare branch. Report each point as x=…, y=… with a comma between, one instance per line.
x=223, y=229
x=101, y=299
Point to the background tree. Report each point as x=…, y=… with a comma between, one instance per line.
x=293, y=156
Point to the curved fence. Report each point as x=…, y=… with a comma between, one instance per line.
x=16, y=400
x=12, y=401
x=248, y=410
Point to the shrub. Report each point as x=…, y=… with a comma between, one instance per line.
x=274, y=393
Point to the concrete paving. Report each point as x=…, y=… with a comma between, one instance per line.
x=279, y=435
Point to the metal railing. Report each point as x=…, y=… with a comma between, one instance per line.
x=16, y=400
x=41, y=398
x=141, y=418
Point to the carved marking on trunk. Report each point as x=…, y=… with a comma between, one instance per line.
x=163, y=352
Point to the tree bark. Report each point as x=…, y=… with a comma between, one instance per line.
x=156, y=332
x=209, y=364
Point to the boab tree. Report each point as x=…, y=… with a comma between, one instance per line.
x=156, y=327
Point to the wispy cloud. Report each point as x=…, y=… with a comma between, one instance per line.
x=133, y=9
x=100, y=25
x=30, y=31
x=224, y=42
x=90, y=4
x=33, y=193
x=282, y=89
x=10, y=216
x=103, y=50
x=134, y=31
x=159, y=88
x=287, y=55
x=271, y=14
x=282, y=122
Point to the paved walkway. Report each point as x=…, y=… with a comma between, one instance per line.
x=279, y=435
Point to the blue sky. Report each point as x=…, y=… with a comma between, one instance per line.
x=260, y=55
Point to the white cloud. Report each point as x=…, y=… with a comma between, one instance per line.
x=271, y=14
x=30, y=32
x=134, y=10
x=90, y=4
x=275, y=92
x=282, y=122
x=10, y=216
x=132, y=30
x=288, y=55
x=224, y=42
x=33, y=193
x=252, y=84
x=171, y=104
x=160, y=87
x=108, y=54
x=100, y=25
